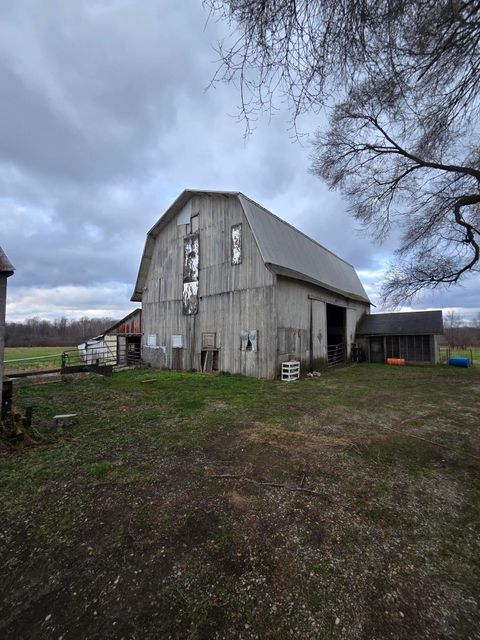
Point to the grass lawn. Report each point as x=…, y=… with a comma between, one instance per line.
x=44, y=362
x=122, y=528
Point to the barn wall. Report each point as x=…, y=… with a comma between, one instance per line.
x=3, y=302
x=231, y=297
x=301, y=305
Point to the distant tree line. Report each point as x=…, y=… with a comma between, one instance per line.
x=35, y=332
x=457, y=333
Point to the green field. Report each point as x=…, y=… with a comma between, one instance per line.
x=48, y=358
x=188, y=506
x=473, y=353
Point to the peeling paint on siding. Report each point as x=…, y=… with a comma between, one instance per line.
x=237, y=244
x=190, y=274
x=190, y=298
x=191, y=255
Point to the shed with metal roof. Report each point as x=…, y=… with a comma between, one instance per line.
x=409, y=335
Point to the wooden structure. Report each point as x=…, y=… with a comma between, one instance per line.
x=119, y=345
x=410, y=336
x=226, y=285
x=6, y=270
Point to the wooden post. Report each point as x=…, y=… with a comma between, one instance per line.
x=6, y=270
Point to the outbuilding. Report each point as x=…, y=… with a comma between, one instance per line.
x=411, y=335
x=119, y=345
x=6, y=270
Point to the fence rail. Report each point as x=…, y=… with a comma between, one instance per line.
x=49, y=362
x=95, y=357
x=472, y=353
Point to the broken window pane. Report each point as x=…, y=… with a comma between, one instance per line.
x=249, y=340
x=190, y=275
x=190, y=298
x=190, y=264
x=237, y=244
x=194, y=222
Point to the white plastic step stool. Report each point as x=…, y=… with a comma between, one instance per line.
x=290, y=371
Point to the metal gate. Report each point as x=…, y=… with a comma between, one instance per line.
x=335, y=354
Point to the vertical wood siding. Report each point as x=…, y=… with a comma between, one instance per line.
x=301, y=307
x=231, y=298
x=3, y=302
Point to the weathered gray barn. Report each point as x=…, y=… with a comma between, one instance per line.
x=410, y=335
x=6, y=270
x=226, y=285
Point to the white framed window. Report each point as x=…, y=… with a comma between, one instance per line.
x=152, y=340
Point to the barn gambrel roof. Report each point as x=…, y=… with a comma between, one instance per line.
x=284, y=249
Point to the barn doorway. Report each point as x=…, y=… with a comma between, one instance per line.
x=336, y=331
x=209, y=360
x=133, y=349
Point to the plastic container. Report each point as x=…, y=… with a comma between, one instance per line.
x=459, y=362
x=396, y=361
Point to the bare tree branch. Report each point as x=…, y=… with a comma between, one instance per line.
x=401, y=83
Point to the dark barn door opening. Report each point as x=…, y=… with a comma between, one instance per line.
x=133, y=349
x=377, y=352
x=336, y=322
x=209, y=360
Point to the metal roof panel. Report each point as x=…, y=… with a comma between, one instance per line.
x=402, y=323
x=283, y=248
x=282, y=245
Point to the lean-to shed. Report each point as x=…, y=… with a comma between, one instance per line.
x=410, y=335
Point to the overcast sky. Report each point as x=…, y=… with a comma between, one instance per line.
x=105, y=119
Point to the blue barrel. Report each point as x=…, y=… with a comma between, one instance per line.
x=459, y=362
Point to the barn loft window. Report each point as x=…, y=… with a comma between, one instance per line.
x=194, y=223
x=236, y=244
x=248, y=340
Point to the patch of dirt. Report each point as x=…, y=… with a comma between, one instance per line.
x=240, y=502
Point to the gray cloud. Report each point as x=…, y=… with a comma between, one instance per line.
x=104, y=119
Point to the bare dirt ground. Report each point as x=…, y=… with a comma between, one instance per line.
x=149, y=517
